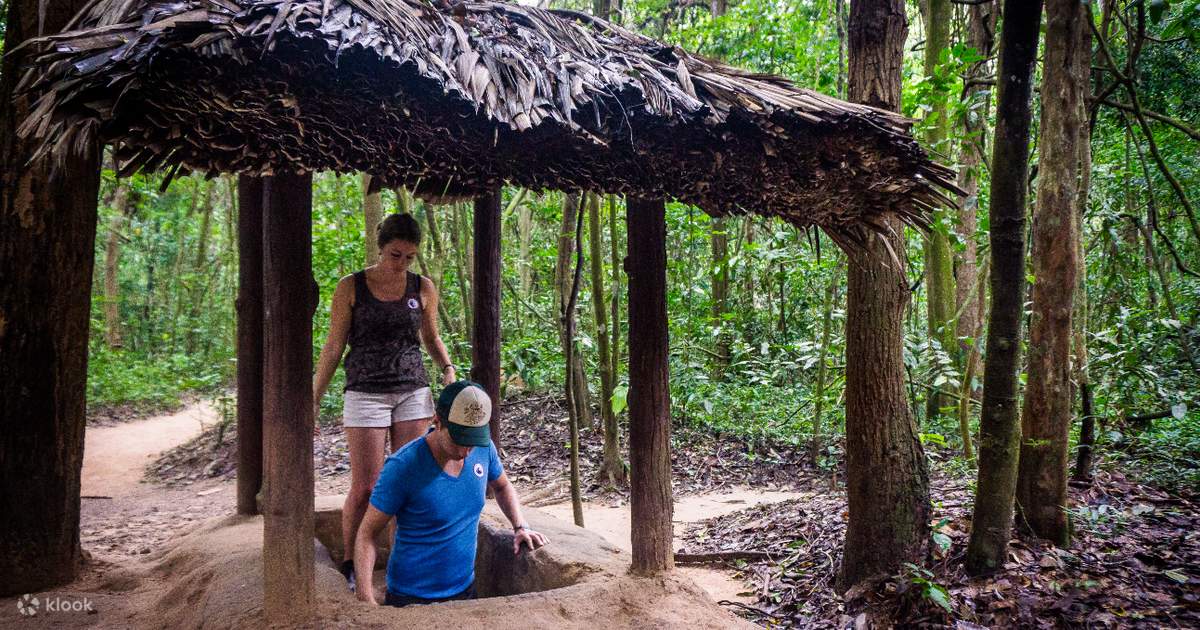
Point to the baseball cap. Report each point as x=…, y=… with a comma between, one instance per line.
x=466, y=410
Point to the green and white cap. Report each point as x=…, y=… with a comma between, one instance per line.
x=466, y=409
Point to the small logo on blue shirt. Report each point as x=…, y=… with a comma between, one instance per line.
x=478, y=469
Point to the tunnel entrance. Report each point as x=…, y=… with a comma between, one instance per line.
x=498, y=571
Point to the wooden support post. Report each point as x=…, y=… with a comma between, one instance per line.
x=649, y=395
x=485, y=339
x=249, y=343
x=289, y=299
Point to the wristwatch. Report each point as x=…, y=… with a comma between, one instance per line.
x=517, y=528
x=448, y=366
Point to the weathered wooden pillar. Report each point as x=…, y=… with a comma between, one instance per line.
x=649, y=395
x=47, y=237
x=485, y=338
x=289, y=299
x=249, y=343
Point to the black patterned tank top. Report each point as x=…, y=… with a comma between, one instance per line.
x=385, y=342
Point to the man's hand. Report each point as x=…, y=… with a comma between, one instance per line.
x=449, y=377
x=526, y=536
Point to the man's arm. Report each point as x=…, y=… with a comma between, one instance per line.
x=506, y=498
x=364, y=553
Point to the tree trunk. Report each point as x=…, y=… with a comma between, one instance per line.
x=1046, y=416
x=615, y=249
x=112, y=255
x=459, y=258
x=719, y=278
x=649, y=392
x=250, y=344
x=612, y=468
x=999, y=431
x=981, y=26
x=939, y=266
x=578, y=395
x=1087, y=422
x=289, y=300
x=47, y=255
x=567, y=322
x=814, y=447
x=372, y=215
x=485, y=339
x=885, y=464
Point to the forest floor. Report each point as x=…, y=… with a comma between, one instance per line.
x=1135, y=560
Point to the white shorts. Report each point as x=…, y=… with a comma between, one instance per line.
x=364, y=409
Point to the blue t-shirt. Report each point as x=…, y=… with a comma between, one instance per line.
x=437, y=518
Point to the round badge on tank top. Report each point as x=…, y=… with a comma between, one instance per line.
x=412, y=303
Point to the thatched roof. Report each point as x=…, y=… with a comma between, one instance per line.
x=453, y=99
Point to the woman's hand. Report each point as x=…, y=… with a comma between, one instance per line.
x=448, y=376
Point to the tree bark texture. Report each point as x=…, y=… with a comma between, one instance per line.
x=1046, y=416
x=999, y=428
x=649, y=393
x=372, y=215
x=485, y=338
x=112, y=267
x=289, y=300
x=47, y=236
x=887, y=483
x=250, y=343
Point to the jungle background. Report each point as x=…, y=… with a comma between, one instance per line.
x=757, y=307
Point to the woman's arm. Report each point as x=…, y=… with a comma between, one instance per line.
x=429, y=332
x=335, y=343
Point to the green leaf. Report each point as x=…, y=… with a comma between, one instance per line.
x=1157, y=8
x=620, y=398
x=942, y=541
x=939, y=595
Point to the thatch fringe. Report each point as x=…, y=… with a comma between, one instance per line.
x=455, y=98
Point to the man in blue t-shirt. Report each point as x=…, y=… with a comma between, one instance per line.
x=435, y=487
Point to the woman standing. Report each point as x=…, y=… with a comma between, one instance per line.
x=385, y=312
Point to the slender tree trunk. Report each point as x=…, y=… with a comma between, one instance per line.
x=885, y=464
x=615, y=248
x=814, y=448
x=47, y=255
x=112, y=255
x=999, y=430
x=578, y=395
x=372, y=215
x=567, y=322
x=719, y=279
x=459, y=258
x=612, y=468
x=1046, y=416
x=981, y=26
x=939, y=265
x=525, y=226
x=289, y=300
x=650, y=500
x=1082, y=376
x=972, y=363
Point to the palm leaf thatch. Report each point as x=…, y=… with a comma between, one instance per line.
x=454, y=99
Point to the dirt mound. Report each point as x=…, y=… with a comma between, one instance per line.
x=211, y=578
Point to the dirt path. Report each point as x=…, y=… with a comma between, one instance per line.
x=122, y=517
x=115, y=457
x=613, y=523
